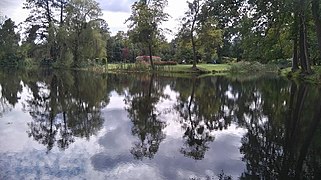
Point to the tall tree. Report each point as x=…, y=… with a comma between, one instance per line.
x=145, y=20
x=8, y=42
x=304, y=56
x=227, y=14
x=42, y=14
x=210, y=38
x=83, y=24
x=191, y=21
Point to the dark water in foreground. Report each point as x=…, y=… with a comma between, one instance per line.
x=78, y=125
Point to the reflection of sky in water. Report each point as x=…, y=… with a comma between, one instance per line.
x=107, y=155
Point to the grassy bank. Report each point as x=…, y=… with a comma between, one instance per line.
x=315, y=77
x=239, y=68
x=180, y=68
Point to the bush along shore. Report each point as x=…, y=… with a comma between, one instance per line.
x=314, y=77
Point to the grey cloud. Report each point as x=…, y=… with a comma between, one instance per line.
x=5, y=4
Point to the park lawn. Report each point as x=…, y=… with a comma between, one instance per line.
x=215, y=67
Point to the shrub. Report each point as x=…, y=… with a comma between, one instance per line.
x=282, y=63
x=228, y=60
x=163, y=63
x=250, y=67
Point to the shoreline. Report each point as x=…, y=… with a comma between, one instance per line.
x=203, y=70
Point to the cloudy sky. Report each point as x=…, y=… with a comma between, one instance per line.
x=115, y=12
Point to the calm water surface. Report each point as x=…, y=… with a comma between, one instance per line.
x=78, y=125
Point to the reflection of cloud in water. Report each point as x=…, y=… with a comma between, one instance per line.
x=134, y=171
x=116, y=101
x=103, y=162
x=118, y=138
x=116, y=142
x=168, y=163
x=115, y=161
x=39, y=165
x=111, y=159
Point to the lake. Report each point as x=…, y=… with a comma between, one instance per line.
x=81, y=125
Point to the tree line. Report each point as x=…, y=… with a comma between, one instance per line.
x=71, y=33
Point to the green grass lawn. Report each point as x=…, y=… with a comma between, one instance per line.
x=215, y=67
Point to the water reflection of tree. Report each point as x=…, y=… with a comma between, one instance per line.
x=10, y=83
x=65, y=105
x=203, y=108
x=141, y=100
x=279, y=140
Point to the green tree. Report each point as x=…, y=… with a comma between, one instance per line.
x=316, y=9
x=303, y=42
x=191, y=22
x=70, y=31
x=145, y=21
x=210, y=38
x=42, y=15
x=227, y=14
x=87, y=38
x=119, y=48
x=9, y=43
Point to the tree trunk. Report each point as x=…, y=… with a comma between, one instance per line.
x=192, y=36
x=295, y=59
x=61, y=12
x=194, y=51
x=48, y=12
x=304, y=57
x=151, y=55
x=317, y=21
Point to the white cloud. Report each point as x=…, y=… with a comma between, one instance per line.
x=13, y=9
x=4, y=4
x=116, y=21
x=176, y=9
